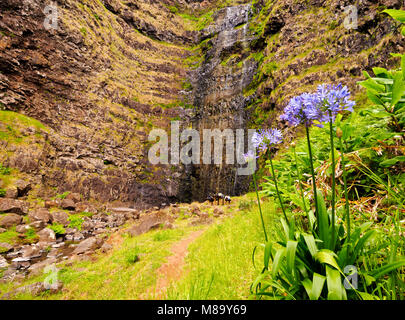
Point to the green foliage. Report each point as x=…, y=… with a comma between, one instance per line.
x=31, y=235
x=4, y=170
x=62, y=195
x=58, y=228
x=398, y=15
x=2, y=193
x=132, y=256
x=76, y=222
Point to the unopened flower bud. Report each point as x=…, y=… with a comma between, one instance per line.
x=339, y=133
x=293, y=144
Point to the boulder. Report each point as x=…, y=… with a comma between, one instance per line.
x=60, y=217
x=37, y=225
x=68, y=204
x=87, y=245
x=149, y=222
x=75, y=197
x=8, y=205
x=52, y=203
x=46, y=235
x=12, y=192
x=37, y=268
x=22, y=228
x=41, y=214
x=9, y=220
x=23, y=187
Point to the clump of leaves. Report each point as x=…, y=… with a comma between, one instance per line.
x=62, y=195
x=133, y=255
x=76, y=222
x=58, y=228
x=2, y=193
x=4, y=170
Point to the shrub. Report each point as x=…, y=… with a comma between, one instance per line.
x=76, y=222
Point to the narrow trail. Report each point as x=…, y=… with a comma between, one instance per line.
x=172, y=270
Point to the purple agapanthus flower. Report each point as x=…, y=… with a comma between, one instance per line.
x=314, y=108
x=303, y=109
x=333, y=98
x=266, y=138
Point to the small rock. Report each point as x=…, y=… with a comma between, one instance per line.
x=218, y=211
x=60, y=217
x=75, y=197
x=46, y=235
x=2, y=230
x=52, y=203
x=10, y=220
x=168, y=225
x=106, y=247
x=40, y=215
x=86, y=245
x=12, y=192
x=5, y=247
x=8, y=205
x=37, y=268
x=3, y=263
x=23, y=187
x=22, y=228
x=37, y=225
x=68, y=204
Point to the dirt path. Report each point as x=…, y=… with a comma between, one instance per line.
x=172, y=270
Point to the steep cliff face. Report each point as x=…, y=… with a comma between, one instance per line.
x=87, y=94
x=99, y=83
x=218, y=86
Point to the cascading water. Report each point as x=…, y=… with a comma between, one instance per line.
x=218, y=87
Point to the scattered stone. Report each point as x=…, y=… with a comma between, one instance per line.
x=37, y=225
x=40, y=215
x=106, y=247
x=22, y=228
x=149, y=222
x=38, y=267
x=89, y=244
x=8, y=205
x=52, y=203
x=46, y=235
x=5, y=247
x=218, y=211
x=12, y=192
x=60, y=217
x=23, y=187
x=34, y=289
x=75, y=197
x=2, y=230
x=68, y=204
x=10, y=220
x=168, y=225
x=3, y=263
x=31, y=252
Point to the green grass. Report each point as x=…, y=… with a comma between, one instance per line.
x=10, y=236
x=124, y=273
x=219, y=263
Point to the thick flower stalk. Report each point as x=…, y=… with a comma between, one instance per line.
x=264, y=141
x=249, y=158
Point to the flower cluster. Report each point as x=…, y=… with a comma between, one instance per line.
x=266, y=138
x=311, y=108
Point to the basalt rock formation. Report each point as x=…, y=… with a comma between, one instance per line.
x=86, y=95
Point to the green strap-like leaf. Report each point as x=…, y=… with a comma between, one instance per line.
x=290, y=254
x=334, y=282
x=310, y=241
x=398, y=89
x=327, y=257
x=277, y=261
x=398, y=15
x=382, y=271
